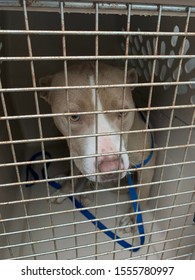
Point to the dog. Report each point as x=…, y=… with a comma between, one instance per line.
x=109, y=154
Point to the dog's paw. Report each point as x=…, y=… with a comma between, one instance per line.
x=86, y=199
x=58, y=200
x=126, y=224
x=66, y=187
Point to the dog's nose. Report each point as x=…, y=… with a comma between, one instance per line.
x=110, y=163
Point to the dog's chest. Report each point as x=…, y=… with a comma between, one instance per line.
x=123, y=183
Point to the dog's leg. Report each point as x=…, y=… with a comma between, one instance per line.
x=127, y=222
x=66, y=189
x=68, y=186
x=80, y=185
x=86, y=186
x=142, y=192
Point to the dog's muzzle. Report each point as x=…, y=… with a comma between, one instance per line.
x=109, y=164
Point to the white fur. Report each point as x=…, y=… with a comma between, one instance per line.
x=105, y=144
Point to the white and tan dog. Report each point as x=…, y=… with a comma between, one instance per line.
x=109, y=143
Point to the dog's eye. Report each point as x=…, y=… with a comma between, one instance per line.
x=75, y=118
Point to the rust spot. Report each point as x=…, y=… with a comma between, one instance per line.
x=28, y=2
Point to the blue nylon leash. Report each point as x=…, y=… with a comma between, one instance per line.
x=132, y=193
x=87, y=214
x=147, y=160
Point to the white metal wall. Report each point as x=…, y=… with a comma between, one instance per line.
x=42, y=37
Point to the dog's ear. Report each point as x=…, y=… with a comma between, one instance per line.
x=45, y=82
x=132, y=77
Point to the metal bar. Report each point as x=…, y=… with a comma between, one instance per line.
x=89, y=233
x=182, y=167
x=99, y=243
x=162, y=251
x=152, y=87
x=5, y=90
x=80, y=176
x=102, y=191
x=103, y=219
x=63, y=28
x=13, y=153
x=142, y=109
x=105, y=253
x=60, y=138
x=109, y=7
x=37, y=110
x=99, y=57
x=125, y=79
x=101, y=154
x=96, y=92
x=135, y=236
x=95, y=33
x=65, y=159
x=3, y=224
x=174, y=102
x=94, y=174
x=93, y=232
x=182, y=257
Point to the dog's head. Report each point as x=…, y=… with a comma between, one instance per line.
x=98, y=130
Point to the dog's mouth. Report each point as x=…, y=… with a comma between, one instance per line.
x=103, y=168
x=111, y=176
x=107, y=177
x=108, y=169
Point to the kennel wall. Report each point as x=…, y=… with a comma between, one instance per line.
x=42, y=37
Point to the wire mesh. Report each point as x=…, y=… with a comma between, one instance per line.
x=31, y=225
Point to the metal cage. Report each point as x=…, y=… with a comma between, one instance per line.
x=41, y=37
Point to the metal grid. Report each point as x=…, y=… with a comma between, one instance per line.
x=61, y=231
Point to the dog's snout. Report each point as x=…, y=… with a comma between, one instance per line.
x=110, y=163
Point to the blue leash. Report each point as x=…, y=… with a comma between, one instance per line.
x=88, y=214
